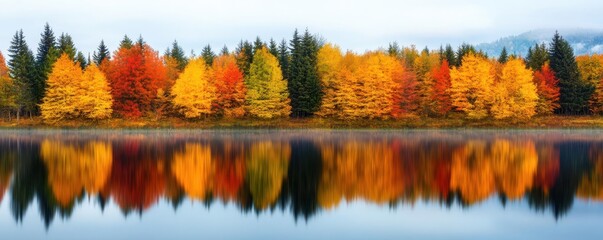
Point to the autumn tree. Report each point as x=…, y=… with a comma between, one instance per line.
x=405, y=98
x=230, y=87
x=441, y=95
x=60, y=100
x=94, y=98
x=548, y=91
x=194, y=167
x=471, y=86
x=328, y=64
x=422, y=68
x=135, y=74
x=194, y=91
x=591, y=71
x=7, y=88
x=574, y=93
x=267, y=95
x=514, y=94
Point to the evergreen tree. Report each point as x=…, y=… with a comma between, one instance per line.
x=463, y=50
x=449, y=56
x=284, y=59
x=537, y=56
x=504, y=57
x=177, y=53
x=224, y=51
x=258, y=44
x=23, y=72
x=573, y=92
x=66, y=46
x=47, y=55
x=394, y=50
x=81, y=60
x=273, y=48
x=102, y=54
x=244, y=56
x=126, y=42
x=208, y=55
x=304, y=85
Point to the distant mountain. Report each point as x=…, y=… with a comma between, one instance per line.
x=583, y=41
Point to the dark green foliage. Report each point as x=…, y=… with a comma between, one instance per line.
x=126, y=42
x=573, y=92
x=208, y=55
x=81, y=60
x=177, y=54
x=273, y=48
x=504, y=56
x=449, y=56
x=224, y=51
x=101, y=54
x=537, y=56
x=304, y=85
x=284, y=58
x=47, y=55
x=394, y=50
x=23, y=72
x=258, y=44
x=244, y=56
x=66, y=46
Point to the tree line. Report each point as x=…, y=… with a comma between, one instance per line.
x=303, y=77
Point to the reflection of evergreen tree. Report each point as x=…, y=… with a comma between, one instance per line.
x=573, y=165
x=303, y=178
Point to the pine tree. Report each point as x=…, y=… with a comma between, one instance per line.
x=101, y=54
x=258, y=44
x=304, y=86
x=449, y=56
x=267, y=95
x=126, y=43
x=177, y=54
x=224, y=51
x=23, y=72
x=66, y=46
x=45, y=58
x=81, y=60
x=503, y=57
x=273, y=48
x=394, y=50
x=244, y=56
x=537, y=56
x=463, y=50
x=208, y=55
x=573, y=92
x=284, y=59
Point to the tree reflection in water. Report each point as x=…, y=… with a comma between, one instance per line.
x=303, y=173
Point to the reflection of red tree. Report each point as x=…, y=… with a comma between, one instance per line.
x=229, y=176
x=137, y=179
x=548, y=167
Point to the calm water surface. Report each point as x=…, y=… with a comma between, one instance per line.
x=310, y=184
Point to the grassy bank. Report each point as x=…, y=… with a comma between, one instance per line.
x=413, y=122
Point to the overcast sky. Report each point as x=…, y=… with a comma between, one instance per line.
x=355, y=25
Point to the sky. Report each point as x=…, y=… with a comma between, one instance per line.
x=353, y=25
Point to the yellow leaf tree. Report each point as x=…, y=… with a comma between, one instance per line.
x=95, y=100
x=329, y=60
x=193, y=92
x=267, y=95
x=515, y=94
x=471, y=86
x=7, y=87
x=60, y=100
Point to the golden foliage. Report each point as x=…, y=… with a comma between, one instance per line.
x=194, y=169
x=471, y=86
x=267, y=95
x=514, y=95
x=73, y=168
x=194, y=91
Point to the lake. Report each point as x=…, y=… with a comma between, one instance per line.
x=301, y=184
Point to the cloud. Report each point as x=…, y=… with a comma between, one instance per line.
x=356, y=25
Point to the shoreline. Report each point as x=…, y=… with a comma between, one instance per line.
x=542, y=122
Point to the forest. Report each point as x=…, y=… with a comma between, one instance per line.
x=305, y=77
